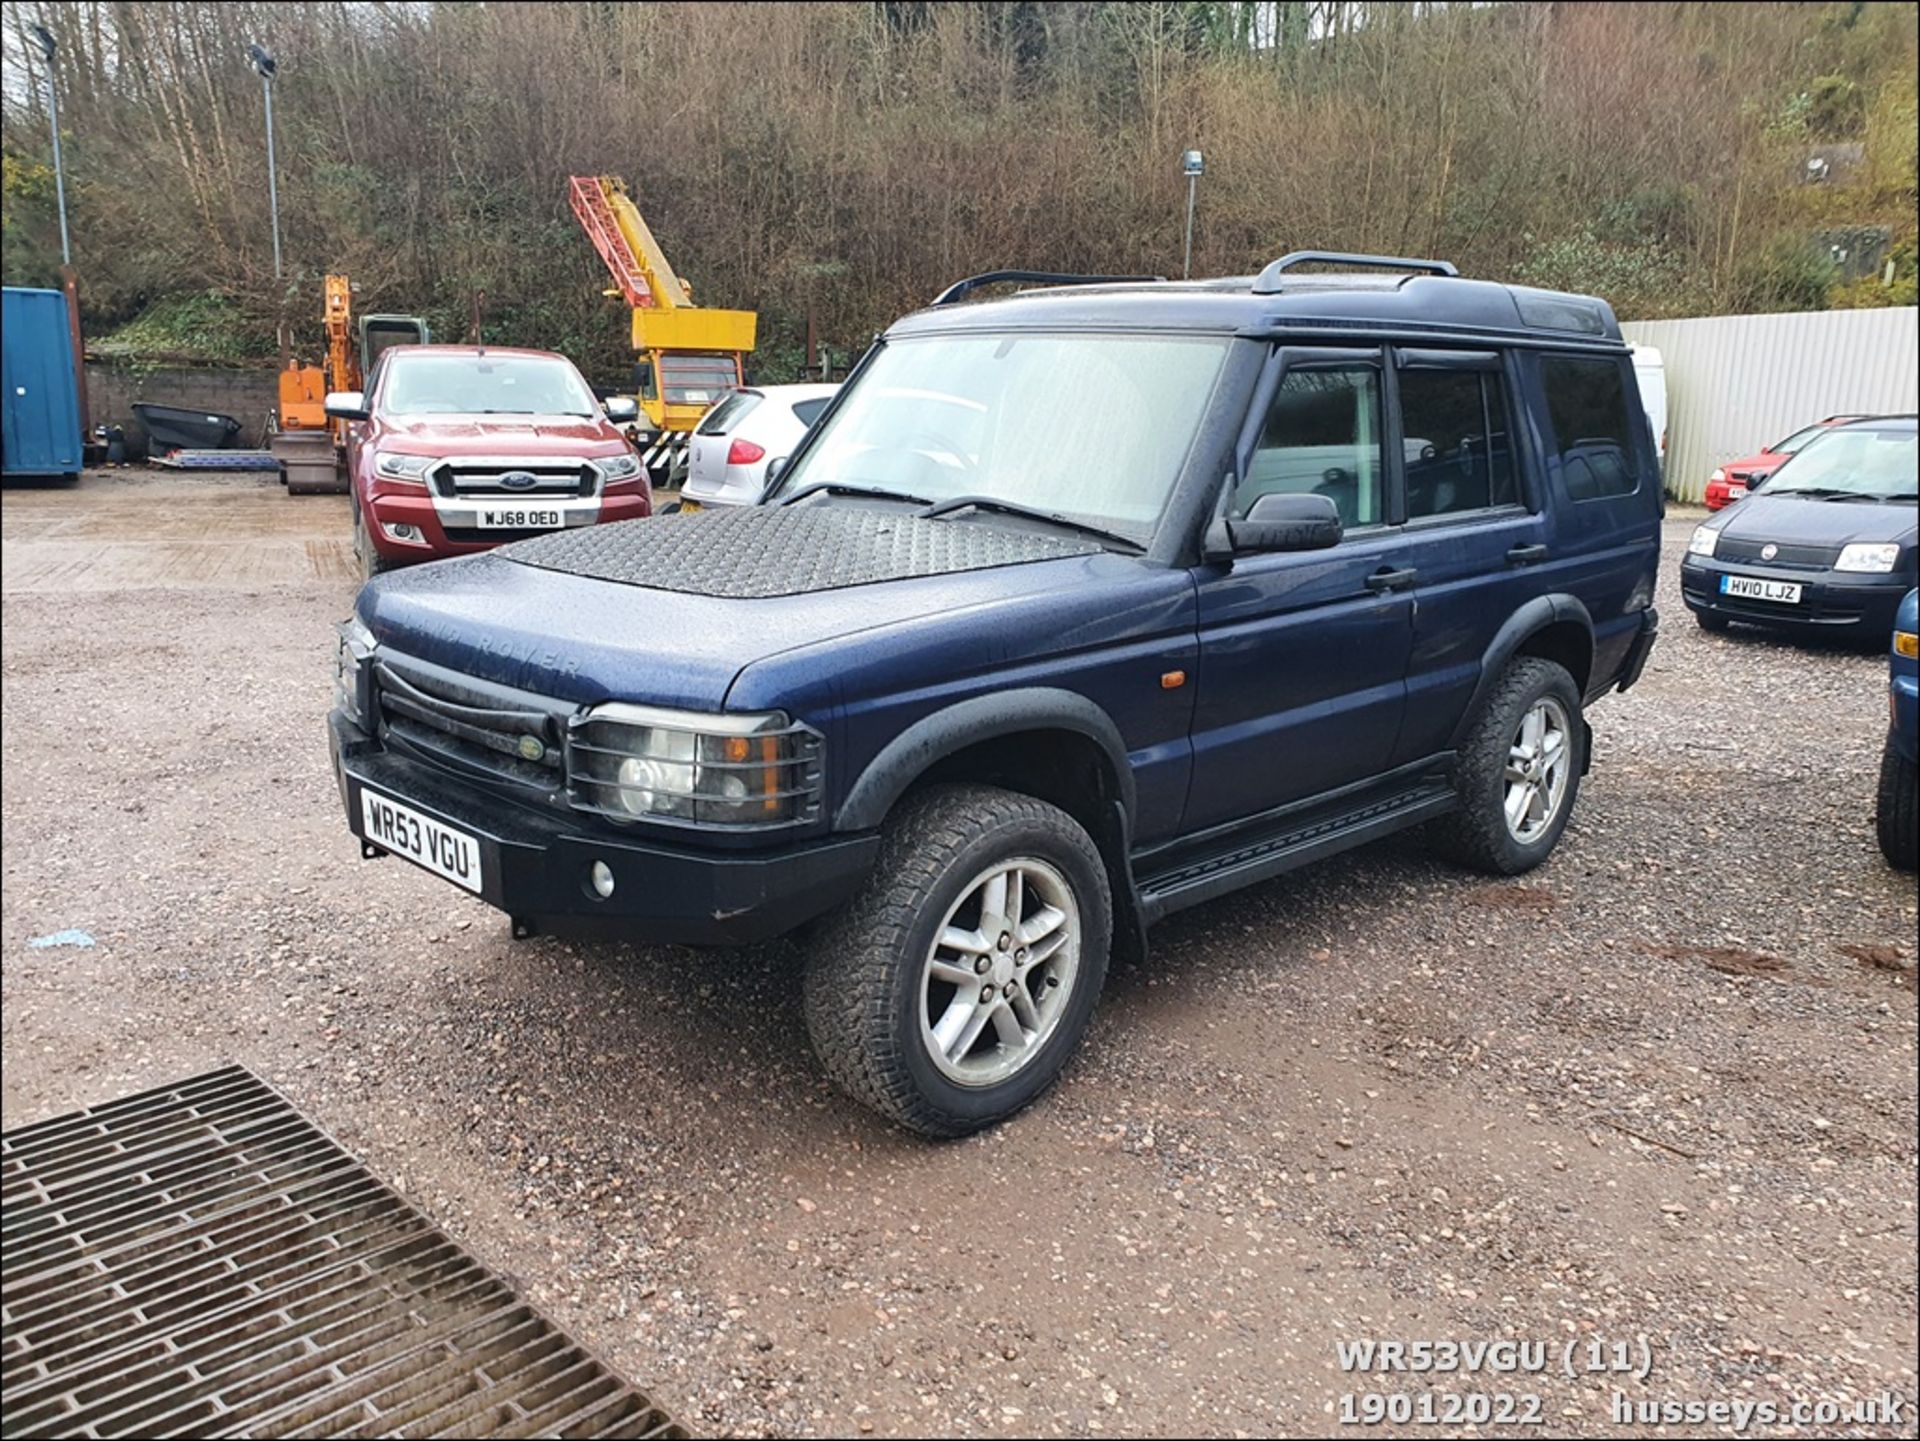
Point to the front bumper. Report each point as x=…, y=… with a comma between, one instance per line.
x=534, y=865
x=453, y=526
x=1829, y=601
x=1903, y=707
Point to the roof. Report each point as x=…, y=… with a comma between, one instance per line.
x=473, y=352
x=1370, y=302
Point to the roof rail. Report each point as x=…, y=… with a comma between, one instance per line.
x=961, y=289
x=1268, y=282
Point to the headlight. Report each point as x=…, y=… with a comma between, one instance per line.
x=355, y=649
x=618, y=467
x=1871, y=559
x=1718, y=475
x=1705, y=538
x=395, y=466
x=634, y=762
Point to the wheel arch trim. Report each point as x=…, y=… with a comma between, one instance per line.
x=932, y=738
x=1537, y=615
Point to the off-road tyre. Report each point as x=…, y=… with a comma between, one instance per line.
x=1894, y=816
x=862, y=992
x=1477, y=834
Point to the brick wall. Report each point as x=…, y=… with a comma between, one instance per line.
x=249, y=396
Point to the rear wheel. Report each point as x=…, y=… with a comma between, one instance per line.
x=1517, y=772
x=1894, y=816
x=952, y=992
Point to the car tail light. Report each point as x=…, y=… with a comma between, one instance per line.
x=744, y=452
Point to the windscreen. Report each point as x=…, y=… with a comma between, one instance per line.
x=1094, y=427
x=1866, y=461
x=484, y=385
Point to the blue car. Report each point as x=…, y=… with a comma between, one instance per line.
x=1076, y=607
x=1895, y=812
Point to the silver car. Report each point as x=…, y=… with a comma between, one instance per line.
x=732, y=446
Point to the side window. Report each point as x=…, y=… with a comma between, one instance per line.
x=809, y=410
x=1459, y=450
x=1322, y=435
x=1592, y=427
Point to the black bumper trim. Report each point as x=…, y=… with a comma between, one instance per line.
x=535, y=867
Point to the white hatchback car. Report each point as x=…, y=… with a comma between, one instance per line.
x=734, y=443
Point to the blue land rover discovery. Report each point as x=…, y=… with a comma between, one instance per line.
x=1078, y=606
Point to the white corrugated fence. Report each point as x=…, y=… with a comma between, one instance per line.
x=1738, y=382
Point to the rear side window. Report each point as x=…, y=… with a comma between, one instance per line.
x=1321, y=436
x=809, y=410
x=1593, y=425
x=728, y=413
x=1459, y=450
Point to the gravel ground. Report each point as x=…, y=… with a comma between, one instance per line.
x=1663, y=1086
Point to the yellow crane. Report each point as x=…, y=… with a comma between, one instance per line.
x=690, y=355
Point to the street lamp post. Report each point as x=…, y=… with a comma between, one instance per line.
x=44, y=40
x=1193, y=165
x=69, y=281
x=264, y=62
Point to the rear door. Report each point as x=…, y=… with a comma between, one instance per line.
x=1604, y=501
x=1303, y=656
x=1474, y=533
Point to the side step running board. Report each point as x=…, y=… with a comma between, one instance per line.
x=1293, y=840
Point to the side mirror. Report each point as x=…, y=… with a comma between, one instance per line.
x=1280, y=522
x=622, y=409
x=348, y=405
x=775, y=469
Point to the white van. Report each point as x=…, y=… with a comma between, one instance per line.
x=1651, y=371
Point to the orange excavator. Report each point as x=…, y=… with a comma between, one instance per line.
x=310, y=446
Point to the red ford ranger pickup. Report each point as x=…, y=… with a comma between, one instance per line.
x=454, y=449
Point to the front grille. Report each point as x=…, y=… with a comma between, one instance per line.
x=456, y=479
x=471, y=726
x=201, y=1260
x=1819, y=557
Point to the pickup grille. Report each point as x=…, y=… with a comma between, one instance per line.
x=470, y=726
x=551, y=479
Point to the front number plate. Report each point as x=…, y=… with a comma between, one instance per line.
x=521, y=517
x=400, y=828
x=1784, y=592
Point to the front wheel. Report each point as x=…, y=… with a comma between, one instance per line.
x=1894, y=817
x=1517, y=771
x=954, y=989
x=371, y=562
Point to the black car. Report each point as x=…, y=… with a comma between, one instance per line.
x=1075, y=608
x=1829, y=545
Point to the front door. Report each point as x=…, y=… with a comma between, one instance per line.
x=1303, y=656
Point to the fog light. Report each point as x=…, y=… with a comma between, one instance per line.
x=602, y=877
x=407, y=534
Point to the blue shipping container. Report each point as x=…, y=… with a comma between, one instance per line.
x=40, y=416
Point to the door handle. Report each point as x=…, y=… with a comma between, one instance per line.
x=1390, y=579
x=1526, y=555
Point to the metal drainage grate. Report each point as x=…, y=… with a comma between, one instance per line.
x=201, y=1260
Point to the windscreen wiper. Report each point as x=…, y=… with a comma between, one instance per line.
x=1027, y=512
x=871, y=492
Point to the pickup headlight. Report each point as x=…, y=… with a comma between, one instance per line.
x=1870, y=559
x=354, y=650
x=618, y=467
x=634, y=762
x=1705, y=538
x=394, y=466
